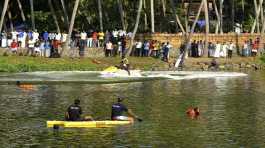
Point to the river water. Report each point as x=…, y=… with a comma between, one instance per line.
x=232, y=112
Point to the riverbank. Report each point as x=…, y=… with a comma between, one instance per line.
x=30, y=64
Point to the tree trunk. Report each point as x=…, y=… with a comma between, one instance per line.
x=257, y=11
x=100, y=15
x=206, y=28
x=21, y=11
x=121, y=14
x=128, y=52
x=54, y=16
x=152, y=16
x=32, y=14
x=145, y=16
x=261, y=12
x=66, y=18
x=71, y=27
x=188, y=38
x=233, y=14
x=218, y=17
x=3, y=14
x=221, y=16
x=10, y=20
x=164, y=7
x=178, y=23
x=261, y=43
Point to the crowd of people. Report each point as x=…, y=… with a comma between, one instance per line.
x=114, y=43
x=144, y=48
x=223, y=49
x=48, y=43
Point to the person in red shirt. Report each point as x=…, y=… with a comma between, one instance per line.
x=95, y=39
x=55, y=45
x=14, y=46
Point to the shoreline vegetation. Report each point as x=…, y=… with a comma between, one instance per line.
x=12, y=64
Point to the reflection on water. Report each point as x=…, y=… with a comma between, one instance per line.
x=232, y=113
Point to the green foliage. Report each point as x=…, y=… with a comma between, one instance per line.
x=88, y=18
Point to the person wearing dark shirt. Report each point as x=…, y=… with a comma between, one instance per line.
x=118, y=110
x=74, y=111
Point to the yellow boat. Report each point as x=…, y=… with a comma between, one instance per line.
x=87, y=124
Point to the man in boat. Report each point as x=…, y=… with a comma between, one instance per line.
x=74, y=112
x=118, y=109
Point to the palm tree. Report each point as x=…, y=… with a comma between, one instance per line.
x=128, y=52
x=54, y=16
x=3, y=14
x=66, y=18
x=152, y=16
x=221, y=15
x=32, y=14
x=218, y=17
x=206, y=27
x=189, y=36
x=100, y=15
x=71, y=26
x=257, y=11
x=164, y=7
x=121, y=14
x=178, y=23
x=21, y=11
x=10, y=19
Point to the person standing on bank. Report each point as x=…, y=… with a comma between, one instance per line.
x=118, y=109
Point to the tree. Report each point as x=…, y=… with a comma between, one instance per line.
x=10, y=20
x=178, y=23
x=32, y=14
x=189, y=36
x=100, y=15
x=66, y=18
x=71, y=26
x=257, y=11
x=3, y=14
x=221, y=15
x=206, y=27
x=128, y=52
x=152, y=16
x=21, y=10
x=121, y=14
x=54, y=16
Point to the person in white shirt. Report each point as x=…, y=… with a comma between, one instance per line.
x=138, y=48
x=58, y=36
x=35, y=36
x=223, y=50
x=52, y=36
x=109, y=48
x=217, y=50
x=30, y=50
x=4, y=40
x=14, y=35
x=231, y=48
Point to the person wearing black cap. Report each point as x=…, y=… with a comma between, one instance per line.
x=74, y=111
x=118, y=109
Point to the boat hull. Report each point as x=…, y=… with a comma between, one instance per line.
x=87, y=124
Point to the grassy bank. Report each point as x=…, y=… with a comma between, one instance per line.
x=29, y=64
